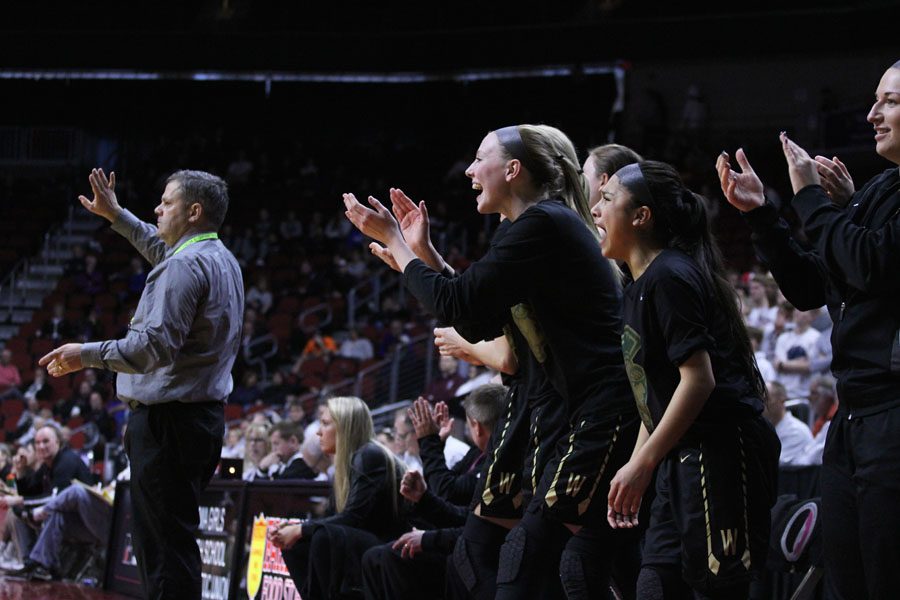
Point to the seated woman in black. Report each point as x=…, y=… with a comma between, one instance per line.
x=548, y=275
x=698, y=392
x=323, y=555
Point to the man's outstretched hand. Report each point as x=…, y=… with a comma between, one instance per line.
x=104, y=203
x=62, y=361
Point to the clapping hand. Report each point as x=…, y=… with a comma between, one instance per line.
x=422, y=418
x=413, y=220
x=836, y=179
x=743, y=190
x=376, y=222
x=443, y=419
x=802, y=169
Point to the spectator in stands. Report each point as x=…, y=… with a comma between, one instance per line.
x=296, y=414
x=39, y=389
x=443, y=389
x=96, y=413
x=794, y=434
x=75, y=265
x=263, y=224
x=290, y=228
x=256, y=447
x=320, y=345
x=41, y=417
x=57, y=327
x=248, y=392
x=407, y=447
x=75, y=404
x=234, y=446
x=337, y=229
x=823, y=403
x=356, y=346
x=285, y=461
x=79, y=515
x=317, y=460
x=5, y=461
x=136, y=277
x=312, y=430
x=91, y=281
x=793, y=351
x=765, y=367
x=57, y=467
x=239, y=170
x=762, y=309
x=394, y=337
x=10, y=378
x=24, y=463
x=324, y=555
x=784, y=321
x=89, y=328
x=259, y=296
x=477, y=377
x=278, y=391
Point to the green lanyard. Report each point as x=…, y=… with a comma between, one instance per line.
x=195, y=239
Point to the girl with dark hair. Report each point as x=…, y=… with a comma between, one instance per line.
x=602, y=163
x=698, y=391
x=547, y=276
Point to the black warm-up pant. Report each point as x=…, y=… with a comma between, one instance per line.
x=328, y=563
x=472, y=567
x=173, y=448
x=861, y=504
x=389, y=576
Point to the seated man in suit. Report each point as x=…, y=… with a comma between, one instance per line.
x=286, y=459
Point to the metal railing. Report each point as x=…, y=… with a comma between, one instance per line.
x=403, y=374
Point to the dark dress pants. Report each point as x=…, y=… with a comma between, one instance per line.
x=173, y=448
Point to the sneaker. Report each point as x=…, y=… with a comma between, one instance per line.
x=9, y=558
x=32, y=571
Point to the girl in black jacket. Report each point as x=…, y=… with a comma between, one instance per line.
x=323, y=555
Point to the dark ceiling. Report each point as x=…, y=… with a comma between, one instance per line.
x=421, y=35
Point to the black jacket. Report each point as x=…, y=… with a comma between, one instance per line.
x=66, y=466
x=373, y=502
x=455, y=485
x=854, y=268
x=296, y=469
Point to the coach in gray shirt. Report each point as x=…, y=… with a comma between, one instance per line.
x=174, y=365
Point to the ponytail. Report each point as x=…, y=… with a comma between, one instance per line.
x=680, y=221
x=550, y=159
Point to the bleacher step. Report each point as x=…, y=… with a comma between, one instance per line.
x=49, y=269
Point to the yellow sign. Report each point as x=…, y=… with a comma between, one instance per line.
x=257, y=554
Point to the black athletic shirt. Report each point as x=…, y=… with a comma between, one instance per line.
x=549, y=261
x=670, y=313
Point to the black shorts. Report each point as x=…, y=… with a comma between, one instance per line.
x=549, y=423
x=499, y=490
x=711, y=514
x=575, y=484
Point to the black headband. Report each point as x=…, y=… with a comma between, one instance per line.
x=632, y=178
x=511, y=140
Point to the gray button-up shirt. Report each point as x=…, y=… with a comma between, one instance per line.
x=186, y=331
